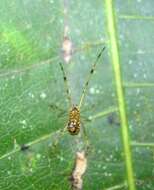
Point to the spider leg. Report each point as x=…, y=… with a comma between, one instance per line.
x=85, y=138
x=66, y=84
x=89, y=77
x=59, y=135
x=61, y=111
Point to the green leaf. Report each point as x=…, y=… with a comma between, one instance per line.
x=117, y=112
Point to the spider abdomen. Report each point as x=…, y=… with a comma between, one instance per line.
x=74, y=121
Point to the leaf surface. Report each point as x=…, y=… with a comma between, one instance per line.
x=33, y=100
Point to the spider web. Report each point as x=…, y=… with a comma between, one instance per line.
x=34, y=104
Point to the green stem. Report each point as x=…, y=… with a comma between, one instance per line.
x=120, y=93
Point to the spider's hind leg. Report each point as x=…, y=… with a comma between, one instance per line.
x=85, y=139
x=57, y=136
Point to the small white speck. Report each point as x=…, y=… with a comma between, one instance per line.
x=140, y=51
x=111, y=156
x=130, y=62
x=138, y=105
x=8, y=50
x=130, y=127
x=28, y=25
x=43, y=95
x=9, y=158
x=92, y=90
x=61, y=158
x=99, y=166
x=51, y=1
x=61, y=21
x=121, y=36
x=23, y=122
x=106, y=174
x=138, y=91
x=6, y=84
x=83, y=58
x=31, y=95
x=8, y=172
x=135, y=75
x=97, y=91
x=91, y=22
x=107, y=159
x=101, y=39
x=99, y=151
x=145, y=76
x=13, y=77
x=38, y=156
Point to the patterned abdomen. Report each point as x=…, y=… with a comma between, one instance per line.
x=74, y=121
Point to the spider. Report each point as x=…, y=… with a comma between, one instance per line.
x=74, y=121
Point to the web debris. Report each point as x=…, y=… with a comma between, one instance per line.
x=78, y=171
x=67, y=45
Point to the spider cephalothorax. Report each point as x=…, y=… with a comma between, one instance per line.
x=74, y=121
